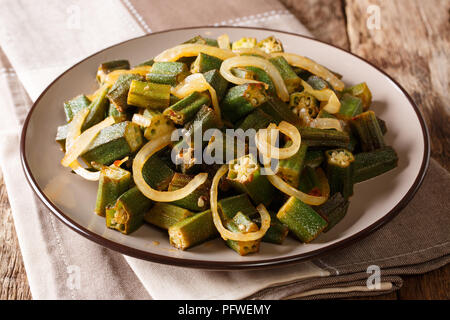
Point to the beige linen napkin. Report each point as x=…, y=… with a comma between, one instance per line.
x=61, y=264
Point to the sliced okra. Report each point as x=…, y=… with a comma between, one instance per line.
x=185, y=109
x=367, y=128
x=149, y=95
x=165, y=215
x=339, y=169
x=373, y=163
x=241, y=100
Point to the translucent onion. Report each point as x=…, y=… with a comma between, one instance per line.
x=332, y=102
x=192, y=50
x=313, y=67
x=245, y=61
x=80, y=143
x=197, y=82
x=225, y=233
x=224, y=41
x=270, y=151
x=252, y=51
x=141, y=120
x=141, y=158
x=326, y=123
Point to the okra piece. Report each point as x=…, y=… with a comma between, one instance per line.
x=301, y=220
x=361, y=91
x=309, y=182
x=149, y=62
x=169, y=73
x=165, y=215
x=314, y=137
x=242, y=223
x=72, y=107
x=159, y=124
x=228, y=207
x=113, y=143
x=244, y=175
x=196, y=201
x=325, y=114
x=113, y=182
x=157, y=173
x=368, y=129
x=244, y=43
x=192, y=230
x=314, y=158
x=201, y=40
x=61, y=135
x=127, y=215
x=317, y=83
x=109, y=66
x=185, y=109
x=270, y=45
x=291, y=79
x=149, y=95
x=333, y=210
x=118, y=94
x=241, y=100
x=339, y=169
x=374, y=163
x=215, y=79
x=97, y=110
x=350, y=107
x=118, y=116
x=383, y=126
x=291, y=168
x=279, y=111
x=260, y=75
x=277, y=231
x=304, y=104
x=204, y=63
x=257, y=119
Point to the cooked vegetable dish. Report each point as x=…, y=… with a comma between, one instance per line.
x=288, y=138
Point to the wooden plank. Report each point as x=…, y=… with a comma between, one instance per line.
x=13, y=279
x=412, y=45
x=432, y=285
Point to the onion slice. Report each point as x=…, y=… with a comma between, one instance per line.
x=313, y=67
x=245, y=61
x=252, y=51
x=197, y=82
x=333, y=104
x=270, y=151
x=224, y=41
x=81, y=142
x=225, y=233
x=326, y=123
x=141, y=158
x=192, y=50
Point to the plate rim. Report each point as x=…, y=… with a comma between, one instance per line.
x=226, y=265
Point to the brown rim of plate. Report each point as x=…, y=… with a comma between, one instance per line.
x=226, y=265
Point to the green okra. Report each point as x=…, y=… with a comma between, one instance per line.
x=118, y=116
x=149, y=95
x=257, y=119
x=302, y=73
x=373, y=163
x=291, y=168
x=325, y=114
x=309, y=181
x=113, y=182
x=109, y=66
x=242, y=223
x=192, y=230
x=277, y=231
x=314, y=158
x=245, y=175
x=361, y=91
x=314, y=137
x=202, y=40
x=270, y=45
x=333, y=210
x=245, y=42
x=382, y=125
x=339, y=169
x=215, y=79
x=61, y=135
x=149, y=62
x=185, y=109
x=113, y=143
x=72, y=107
x=228, y=207
x=128, y=213
x=350, y=107
x=304, y=104
x=291, y=79
x=367, y=128
x=97, y=110
x=241, y=100
x=197, y=200
x=279, y=111
x=118, y=94
x=165, y=215
x=301, y=220
x=169, y=73
x=260, y=75
x=157, y=173
x=204, y=63
x=317, y=83
x=159, y=124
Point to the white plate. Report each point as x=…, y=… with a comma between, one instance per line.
x=72, y=199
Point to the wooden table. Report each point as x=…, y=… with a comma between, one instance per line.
x=412, y=44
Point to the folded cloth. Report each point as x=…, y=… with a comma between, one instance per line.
x=60, y=264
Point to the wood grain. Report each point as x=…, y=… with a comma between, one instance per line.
x=13, y=279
